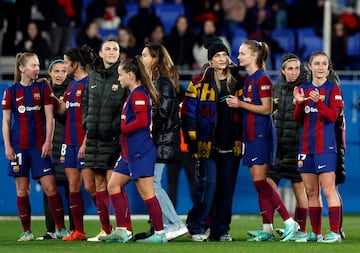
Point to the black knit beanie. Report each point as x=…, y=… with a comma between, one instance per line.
x=215, y=45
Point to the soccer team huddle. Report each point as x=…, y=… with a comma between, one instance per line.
x=121, y=122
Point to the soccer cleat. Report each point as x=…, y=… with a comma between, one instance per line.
x=155, y=238
x=226, y=238
x=289, y=231
x=331, y=237
x=62, y=233
x=47, y=236
x=253, y=233
x=75, y=236
x=171, y=235
x=262, y=237
x=280, y=231
x=96, y=238
x=300, y=236
x=199, y=238
x=312, y=237
x=118, y=235
x=26, y=236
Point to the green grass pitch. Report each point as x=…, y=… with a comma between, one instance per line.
x=11, y=228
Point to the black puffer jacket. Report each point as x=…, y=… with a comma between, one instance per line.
x=166, y=123
x=287, y=129
x=60, y=120
x=103, y=101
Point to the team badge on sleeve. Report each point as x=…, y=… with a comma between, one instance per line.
x=139, y=102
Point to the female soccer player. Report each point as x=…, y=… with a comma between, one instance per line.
x=77, y=62
x=318, y=104
x=260, y=137
x=28, y=141
x=137, y=160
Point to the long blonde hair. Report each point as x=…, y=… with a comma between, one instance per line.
x=21, y=60
x=229, y=76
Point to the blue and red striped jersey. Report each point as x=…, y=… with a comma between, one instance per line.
x=74, y=133
x=256, y=126
x=135, y=123
x=318, y=134
x=27, y=105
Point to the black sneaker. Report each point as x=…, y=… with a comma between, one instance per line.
x=47, y=236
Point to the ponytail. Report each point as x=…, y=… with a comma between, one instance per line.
x=262, y=49
x=21, y=59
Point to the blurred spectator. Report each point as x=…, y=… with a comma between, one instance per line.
x=208, y=30
x=61, y=16
x=157, y=34
x=180, y=43
x=127, y=43
x=339, y=35
x=280, y=14
x=259, y=19
x=260, y=22
x=234, y=12
x=196, y=9
x=33, y=41
x=7, y=12
x=143, y=22
x=108, y=14
x=89, y=34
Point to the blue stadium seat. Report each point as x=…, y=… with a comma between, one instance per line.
x=238, y=35
x=132, y=9
x=285, y=38
x=168, y=13
x=106, y=33
x=353, y=44
x=308, y=42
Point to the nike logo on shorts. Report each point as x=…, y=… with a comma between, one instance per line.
x=46, y=170
x=321, y=167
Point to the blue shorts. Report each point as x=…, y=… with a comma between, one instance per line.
x=27, y=160
x=142, y=166
x=317, y=163
x=69, y=157
x=258, y=153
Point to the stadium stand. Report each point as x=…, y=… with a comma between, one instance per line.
x=131, y=10
x=168, y=13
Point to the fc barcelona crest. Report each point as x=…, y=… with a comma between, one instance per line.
x=115, y=87
x=36, y=96
x=78, y=93
x=16, y=168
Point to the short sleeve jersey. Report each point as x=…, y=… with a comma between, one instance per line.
x=256, y=126
x=318, y=134
x=27, y=105
x=73, y=97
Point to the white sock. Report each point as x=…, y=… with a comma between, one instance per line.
x=289, y=221
x=268, y=228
